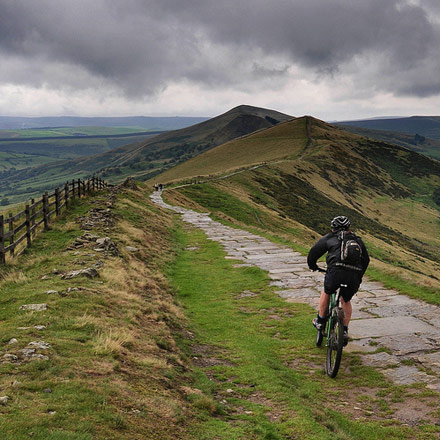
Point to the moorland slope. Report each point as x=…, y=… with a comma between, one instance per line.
x=416, y=142
x=298, y=175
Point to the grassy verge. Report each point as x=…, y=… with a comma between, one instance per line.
x=106, y=364
x=258, y=374
x=391, y=281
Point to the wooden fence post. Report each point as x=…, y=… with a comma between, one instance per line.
x=28, y=225
x=93, y=183
x=2, y=241
x=11, y=232
x=88, y=186
x=73, y=188
x=79, y=188
x=33, y=217
x=66, y=194
x=57, y=201
x=45, y=211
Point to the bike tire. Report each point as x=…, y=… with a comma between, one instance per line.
x=335, y=345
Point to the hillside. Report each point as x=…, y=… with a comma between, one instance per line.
x=145, y=158
x=421, y=144
x=428, y=126
x=298, y=175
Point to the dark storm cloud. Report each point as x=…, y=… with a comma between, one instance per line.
x=140, y=46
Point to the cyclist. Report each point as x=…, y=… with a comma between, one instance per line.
x=337, y=272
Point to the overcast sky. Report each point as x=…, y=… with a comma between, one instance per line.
x=333, y=59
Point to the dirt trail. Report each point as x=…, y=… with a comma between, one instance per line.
x=408, y=329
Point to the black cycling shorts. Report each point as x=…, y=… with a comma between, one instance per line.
x=335, y=277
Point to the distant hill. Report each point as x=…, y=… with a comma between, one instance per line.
x=144, y=122
x=428, y=126
x=146, y=158
x=284, y=140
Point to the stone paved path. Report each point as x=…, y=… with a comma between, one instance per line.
x=408, y=328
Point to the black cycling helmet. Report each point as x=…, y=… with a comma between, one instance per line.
x=340, y=222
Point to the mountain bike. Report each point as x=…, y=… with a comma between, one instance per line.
x=334, y=333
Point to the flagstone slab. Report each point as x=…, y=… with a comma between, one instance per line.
x=279, y=276
x=431, y=317
x=260, y=257
x=371, y=285
x=381, y=359
x=398, y=300
x=430, y=360
x=298, y=293
x=283, y=251
x=283, y=269
x=363, y=294
x=236, y=254
x=410, y=344
x=404, y=310
x=262, y=247
x=312, y=302
x=301, y=273
x=360, y=314
x=300, y=282
x=363, y=345
x=376, y=327
x=408, y=375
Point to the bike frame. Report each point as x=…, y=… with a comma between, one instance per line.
x=334, y=303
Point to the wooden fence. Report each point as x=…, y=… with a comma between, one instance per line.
x=22, y=227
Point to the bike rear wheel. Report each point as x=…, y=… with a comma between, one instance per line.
x=335, y=344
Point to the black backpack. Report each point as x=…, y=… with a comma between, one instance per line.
x=351, y=250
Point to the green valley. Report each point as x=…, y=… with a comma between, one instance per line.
x=116, y=158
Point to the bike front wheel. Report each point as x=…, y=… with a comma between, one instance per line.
x=335, y=344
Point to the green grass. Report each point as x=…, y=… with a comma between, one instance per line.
x=19, y=161
x=70, y=393
x=217, y=201
x=103, y=361
x=405, y=287
x=258, y=352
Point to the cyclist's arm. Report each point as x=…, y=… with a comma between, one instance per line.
x=365, y=258
x=316, y=252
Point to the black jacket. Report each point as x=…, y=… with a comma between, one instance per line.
x=331, y=244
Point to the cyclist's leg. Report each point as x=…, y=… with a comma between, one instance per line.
x=324, y=302
x=347, y=308
x=331, y=284
x=321, y=320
